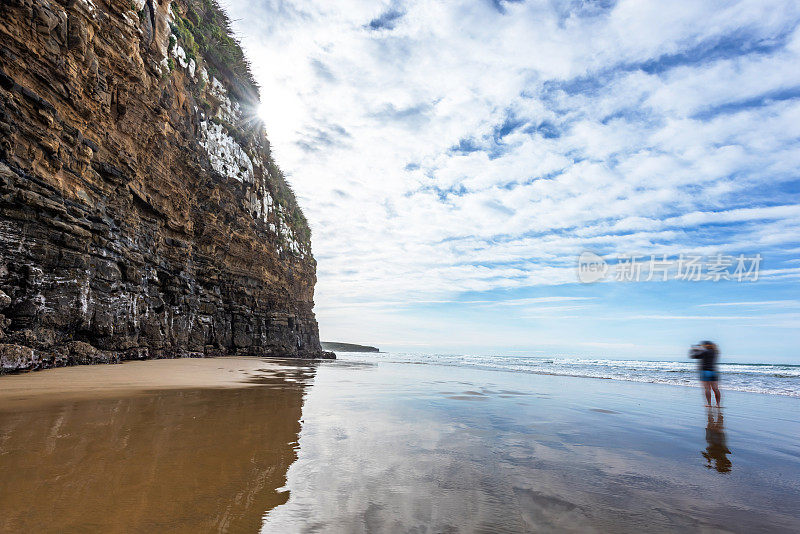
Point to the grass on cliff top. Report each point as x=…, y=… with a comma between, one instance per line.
x=206, y=33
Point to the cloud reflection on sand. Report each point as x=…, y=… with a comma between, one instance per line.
x=405, y=448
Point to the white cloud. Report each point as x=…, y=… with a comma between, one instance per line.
x=760, y=303
x=623, y=141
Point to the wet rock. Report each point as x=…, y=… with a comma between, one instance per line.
x=80, y=352
x=16, y=358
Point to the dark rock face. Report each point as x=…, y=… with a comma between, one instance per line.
x=140, y=210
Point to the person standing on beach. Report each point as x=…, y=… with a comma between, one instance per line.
x=707, y=353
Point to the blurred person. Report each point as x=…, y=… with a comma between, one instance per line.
x=707, y=353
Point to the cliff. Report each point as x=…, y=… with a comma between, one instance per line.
x=141, y=212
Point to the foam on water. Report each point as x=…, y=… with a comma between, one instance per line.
x=773, y=379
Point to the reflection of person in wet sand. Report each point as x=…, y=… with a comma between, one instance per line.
x=717, y=450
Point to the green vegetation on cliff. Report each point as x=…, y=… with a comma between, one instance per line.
x=205, y=31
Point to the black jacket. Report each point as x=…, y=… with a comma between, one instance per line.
x=707, y=357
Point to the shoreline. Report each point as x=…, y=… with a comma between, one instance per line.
x=98, y=380
x=692, y=383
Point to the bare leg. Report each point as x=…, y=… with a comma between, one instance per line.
x=707, y=392
x=717, y=394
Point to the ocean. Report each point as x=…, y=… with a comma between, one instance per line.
x=772, y=379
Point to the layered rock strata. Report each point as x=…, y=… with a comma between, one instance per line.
x=141, y=212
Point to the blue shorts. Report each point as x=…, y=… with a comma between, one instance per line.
x=709, y=376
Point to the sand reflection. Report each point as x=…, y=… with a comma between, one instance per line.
x=187, y=460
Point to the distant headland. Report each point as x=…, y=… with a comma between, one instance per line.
x=347, y=347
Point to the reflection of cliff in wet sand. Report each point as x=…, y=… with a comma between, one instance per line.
x=178, y=460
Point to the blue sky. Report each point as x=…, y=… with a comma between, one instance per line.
x=455, y=158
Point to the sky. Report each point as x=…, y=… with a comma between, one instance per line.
x=454, y=160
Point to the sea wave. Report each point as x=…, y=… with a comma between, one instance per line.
x=772, y=379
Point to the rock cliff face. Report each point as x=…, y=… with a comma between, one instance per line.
x=141, y=213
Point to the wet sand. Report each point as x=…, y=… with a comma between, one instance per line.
x=242, y=445
x=26, y=390
x=427, y=448
x=158, y=446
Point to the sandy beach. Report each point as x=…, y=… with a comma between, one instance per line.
x=242, y=445
x=28, y=390
x=158, y=446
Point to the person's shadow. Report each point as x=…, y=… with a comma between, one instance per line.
x=717, y=451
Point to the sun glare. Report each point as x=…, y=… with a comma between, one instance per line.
x=263, y=113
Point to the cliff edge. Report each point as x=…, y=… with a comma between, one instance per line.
x=141, y=212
